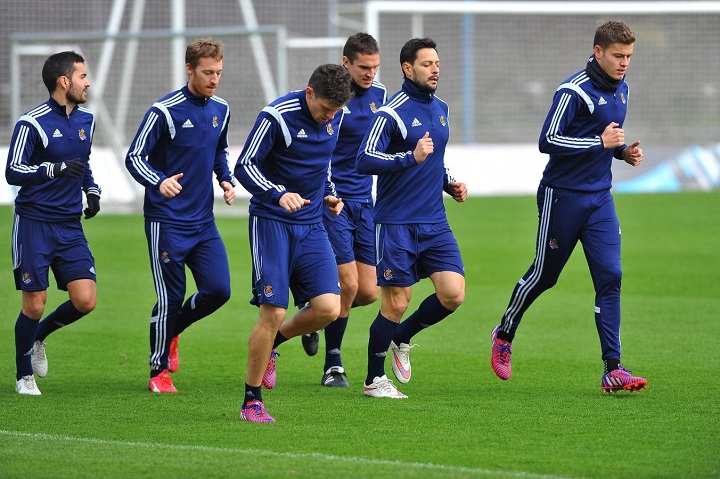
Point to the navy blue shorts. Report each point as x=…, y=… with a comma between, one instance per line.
x=352, y=233
x=287, y=256
x=173, y=247
x=408, y=253
x=38, y=246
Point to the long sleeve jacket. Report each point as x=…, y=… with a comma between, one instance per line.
x=181, y=133
x=288, y=151
x=43, y=136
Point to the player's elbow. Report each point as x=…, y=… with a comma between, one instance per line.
x=362, y=166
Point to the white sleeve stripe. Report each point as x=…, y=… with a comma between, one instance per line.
x=373, y=137
x=390, y=111
x=168, y=118
x=579, y=91
x=251, y=169
x=16, y=163
x=134, y=155
x=565, y=141
x=281, y=121
x=257, y=177
x=34, y=123
x=255, y=142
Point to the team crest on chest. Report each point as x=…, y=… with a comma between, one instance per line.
x=330, y=129
x=622, y=97
x=215, y=122
x=442, y=120
x=81, y=134
x=373, y=107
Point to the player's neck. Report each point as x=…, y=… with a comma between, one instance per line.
x=62, y=100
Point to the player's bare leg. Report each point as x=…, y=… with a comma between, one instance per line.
x=323, y=309
x=261, y=340
x=367, y=289
x=450, y=288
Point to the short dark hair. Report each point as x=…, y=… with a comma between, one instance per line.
x=408, y=53
x=360, y=43
x=59, y=65
x=332, y=82
x=613, y=32
x=203, y=48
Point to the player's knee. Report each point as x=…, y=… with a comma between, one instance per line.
x=546, y=283
x=611, y=278
x=615, y=275
x=349, y=288
x=330, y=314
x=221, y=296
x=395, y=311
x=33, y=311
x=85, y=305
x=453, y=302
x=365, y=297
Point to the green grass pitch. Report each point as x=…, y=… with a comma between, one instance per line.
x=96, y=417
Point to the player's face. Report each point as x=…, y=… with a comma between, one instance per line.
x=425, y=70
x=203, y=80
x=363, y=69
x=614, y=59
x=321, y=109
x=78, y=85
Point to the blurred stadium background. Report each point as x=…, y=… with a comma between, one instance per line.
x=498, y=74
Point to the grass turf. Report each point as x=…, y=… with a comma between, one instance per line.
x=96, y=417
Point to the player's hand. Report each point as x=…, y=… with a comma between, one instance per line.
x=93, y=205
x=228, y=192
x=633, y=155
x=334, y=203
x=292, y=202
x=424, y=148
x=613, y=136
x=68, y=169
x=458, y=191
x=170, y=187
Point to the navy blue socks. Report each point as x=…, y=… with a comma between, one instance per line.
x=252, y=392
x=64, y=315
x=334, y=333
x=25, y=329
x=431, y=311
x=382, y=331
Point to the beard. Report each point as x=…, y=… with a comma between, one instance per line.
x=424, y=87
x=75, y=96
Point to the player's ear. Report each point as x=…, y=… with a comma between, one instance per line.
x=309, y=93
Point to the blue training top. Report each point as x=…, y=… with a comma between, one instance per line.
x=572, y=131
x=288, y=151
x=181, y=133
x=359, y=113
x=407, y=192
x=43, y=136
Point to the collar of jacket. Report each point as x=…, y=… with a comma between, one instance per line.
x=197, y=100
x=58, y=108
x=414, y=92
x=599, y=78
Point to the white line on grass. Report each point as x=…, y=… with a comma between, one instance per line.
x=289, y=455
